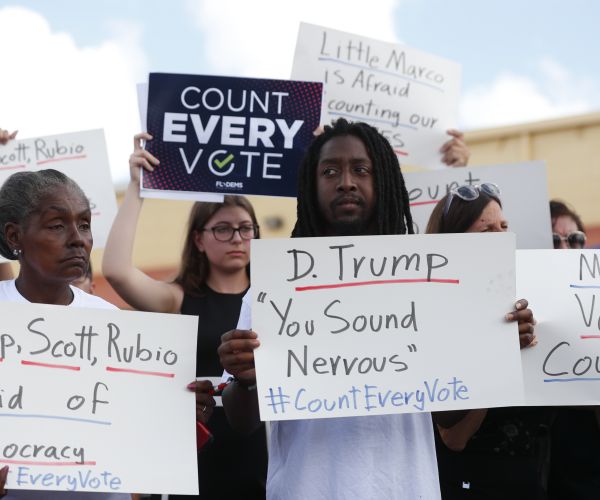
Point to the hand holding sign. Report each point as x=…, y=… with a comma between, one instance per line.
x=455, y=152
x=140, y=158
x=236, y=354
x=6, y=136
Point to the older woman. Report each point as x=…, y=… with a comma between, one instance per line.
x=45, y=224
x=495, y=453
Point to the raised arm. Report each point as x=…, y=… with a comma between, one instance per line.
x=135, y=287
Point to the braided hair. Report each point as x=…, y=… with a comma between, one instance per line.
x=392, y=210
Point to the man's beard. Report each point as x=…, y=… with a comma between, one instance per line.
x=353, y=227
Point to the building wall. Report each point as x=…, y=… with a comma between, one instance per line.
x=570, y=146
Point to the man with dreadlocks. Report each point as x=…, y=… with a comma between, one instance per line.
x=350, y=183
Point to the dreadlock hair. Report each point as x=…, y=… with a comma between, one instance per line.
x=392, y=210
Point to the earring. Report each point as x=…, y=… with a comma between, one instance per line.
x=16, y=252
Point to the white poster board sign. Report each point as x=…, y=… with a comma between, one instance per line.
x=409, y=95
x=96, y=399
x=523, y=193
x=384, y=324
x=80, y=155
x=563, y=290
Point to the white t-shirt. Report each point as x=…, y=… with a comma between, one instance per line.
x=388, y=457
x=9, y=293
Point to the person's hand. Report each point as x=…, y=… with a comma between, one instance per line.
x=236, y=353
x=455, y=152
x=205, y=403
x=524, y=317
x=3, y=476
x=140, y=158
x=6, y=136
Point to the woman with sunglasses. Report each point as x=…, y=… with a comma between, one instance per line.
x=496, y=453
x=212, y=280
x=567, y=228
x=575, y=434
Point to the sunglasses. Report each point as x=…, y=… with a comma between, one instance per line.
x=470, y=192
x=576, y=239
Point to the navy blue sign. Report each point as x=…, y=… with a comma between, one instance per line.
x=229, y=135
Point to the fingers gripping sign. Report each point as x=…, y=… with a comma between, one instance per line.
x=455, y=152
x=140, y=158
x=205, y=403
x=525, y=321
x=236, y=353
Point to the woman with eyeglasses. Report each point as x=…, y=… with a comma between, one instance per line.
x=213, y=278
x=497, y=453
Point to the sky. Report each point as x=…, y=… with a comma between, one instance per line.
x=72, y=65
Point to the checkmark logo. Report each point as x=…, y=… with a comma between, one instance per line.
x=221, y=163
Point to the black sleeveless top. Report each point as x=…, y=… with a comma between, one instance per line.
x=507, y=458
x=232, y=466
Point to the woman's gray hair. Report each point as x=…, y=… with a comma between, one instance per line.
x=21, y=195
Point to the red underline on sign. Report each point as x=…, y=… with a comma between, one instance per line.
x=140, y=372
x=12, y=167
x=378, y=282
x=48, y=365
x=50, y=464
x=589, y=336
x=402, y=153
x=65, y=158
x=417, y=203
x=95, y=214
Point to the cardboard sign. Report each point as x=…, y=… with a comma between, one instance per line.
x=81, y=156
x=384, y=324
x=226, y=135
x=523, y=193
x=409, y=95
x=96, y=399
x=563, y=290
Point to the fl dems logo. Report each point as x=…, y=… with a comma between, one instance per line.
x=221, y=164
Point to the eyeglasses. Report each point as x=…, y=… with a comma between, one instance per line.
x=225, y=233
x=470, y=192
x=576, y=239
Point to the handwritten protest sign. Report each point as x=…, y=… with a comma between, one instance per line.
x=409, y=95
x=384, y=324
x=80, y=155
x=523, y=193
x=563, y=289
x=225, y=135
x=96, y=399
